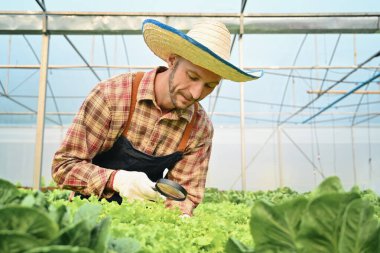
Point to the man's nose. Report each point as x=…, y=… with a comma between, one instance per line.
x=196, y=90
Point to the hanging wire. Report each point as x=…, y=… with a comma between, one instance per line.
x=41, y=4
x=2, y=87
x=328, y=98
x=352, y=131
x=315, y=168
x=255, y=156
x=330, y=87
x=341, y=98
x=106, y=55
x=307, y=78
x=219, y=87
x=370, y=168
x=330, y=61
x=125, y=51
x=92, y=50
x=82, y=57
x=353, y=153
x=312, y=146
x=361, y=100
x=368, y=119
x=334, y=142
x=23, y=81
x=290, y=73
x=317, y=155
x=266, y=103
x=47, y=81
x=352, y=105
x=24, y=106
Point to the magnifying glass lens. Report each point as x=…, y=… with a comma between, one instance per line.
x=171, y=189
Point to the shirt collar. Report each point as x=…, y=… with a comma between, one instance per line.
x=146, y=92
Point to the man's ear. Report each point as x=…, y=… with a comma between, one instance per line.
x=171, y=60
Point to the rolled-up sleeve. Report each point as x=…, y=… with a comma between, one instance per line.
x=72, y=167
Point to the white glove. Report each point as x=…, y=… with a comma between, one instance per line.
x=134, y=185
x=184, y=216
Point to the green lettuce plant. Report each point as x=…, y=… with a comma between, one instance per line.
x=329, y=220
x=30, y=224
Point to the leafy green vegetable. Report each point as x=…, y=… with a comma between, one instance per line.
x=27, y=217
x=360, y=231
x=28, y=220
x=322, y=223
x=124, y=245
x=60, y=249
x=8, y=192
x=88, y=212
x=234, y=246
x=281, y=221
x=100, y=236
x=277, y=225
x=60, y=215
x=17, y=242
x=327, y=221
x=329, y=185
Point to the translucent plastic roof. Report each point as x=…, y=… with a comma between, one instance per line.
x=297, y=66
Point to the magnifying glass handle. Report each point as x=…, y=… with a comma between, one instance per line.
x=166, y=170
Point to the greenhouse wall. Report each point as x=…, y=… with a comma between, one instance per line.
x=296, y=157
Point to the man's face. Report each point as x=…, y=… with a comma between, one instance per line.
x=189, y=83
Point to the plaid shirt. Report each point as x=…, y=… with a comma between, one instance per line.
x=101, y=120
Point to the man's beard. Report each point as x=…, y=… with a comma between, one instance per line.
x=171, y=83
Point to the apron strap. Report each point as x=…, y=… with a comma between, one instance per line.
x=135, y=87
x=187, y=132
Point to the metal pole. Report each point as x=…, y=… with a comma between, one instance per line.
x=353, y=155
x=363, y=92
x=280, y=168
x=38, y=153
x=242, y=113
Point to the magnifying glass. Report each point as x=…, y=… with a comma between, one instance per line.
x=170, y=189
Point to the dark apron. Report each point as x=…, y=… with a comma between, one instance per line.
x=123, y=156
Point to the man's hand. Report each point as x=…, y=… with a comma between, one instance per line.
x=134, y=185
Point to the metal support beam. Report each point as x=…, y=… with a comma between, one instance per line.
x=31, y=22
x=242, y=112
x=280, y=160
x=38, y=152
x=337, y=92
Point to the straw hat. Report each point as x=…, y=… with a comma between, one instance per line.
x=207, y=45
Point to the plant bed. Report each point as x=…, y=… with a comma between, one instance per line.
x=227, y=221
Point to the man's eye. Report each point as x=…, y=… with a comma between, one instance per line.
x=212, y=85
x=193, y=78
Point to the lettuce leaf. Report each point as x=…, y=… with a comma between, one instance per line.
x=17, y=242
x=276, y=226
x=28, y=220
x=59, y=249
x=8, y=192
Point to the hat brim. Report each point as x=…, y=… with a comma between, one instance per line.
x=164, y=40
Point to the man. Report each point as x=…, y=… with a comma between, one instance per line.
x=128, y=131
